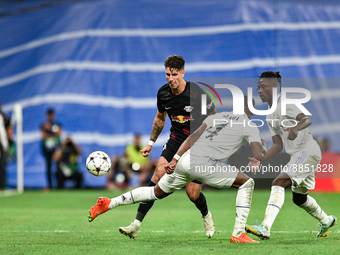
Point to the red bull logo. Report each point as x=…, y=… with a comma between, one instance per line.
x=181, y=119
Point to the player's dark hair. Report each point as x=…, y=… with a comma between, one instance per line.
x=271, y=74
x=50, y=110
x=174, y=62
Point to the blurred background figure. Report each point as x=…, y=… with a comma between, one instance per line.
x=325, y=144
x=142, y=166
x=66, y=157
x=131, y=169
x=3, y=151
x=11, y=153
x=51, y=131
x=120, y=173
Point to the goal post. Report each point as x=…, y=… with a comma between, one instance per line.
x=19, y=147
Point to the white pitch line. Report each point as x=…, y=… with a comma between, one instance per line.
x=224, y=231
x=155, y=231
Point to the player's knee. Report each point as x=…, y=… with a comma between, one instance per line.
x=159, y=193
x=281, y=182
x=158, y=174
x=275, y=182
x=155, y=178
x=193, y=196
x=193, y=192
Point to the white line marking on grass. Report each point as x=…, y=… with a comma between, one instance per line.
x=224, y=231
x=154, y=231
x=8, y=193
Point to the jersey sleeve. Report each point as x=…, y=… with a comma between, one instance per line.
x=292, y=111
x=160, y=105
x=271, y=129
x=252, y=133
x=209, y=121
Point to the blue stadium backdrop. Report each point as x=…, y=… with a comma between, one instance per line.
x=99, y=64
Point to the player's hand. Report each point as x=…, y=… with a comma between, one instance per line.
x=146, y=151
x=264, y=143
x=293, y=132
x=254, y=164
x=170, y=168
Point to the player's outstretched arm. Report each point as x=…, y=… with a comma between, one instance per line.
x=275, y=148
x=258, y=150
x=157, y=128
x=191, y=139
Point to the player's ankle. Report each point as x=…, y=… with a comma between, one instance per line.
x=137, y=223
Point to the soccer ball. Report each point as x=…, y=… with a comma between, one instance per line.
x=98, y=163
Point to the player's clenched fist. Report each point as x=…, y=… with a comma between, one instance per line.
x=146, y=151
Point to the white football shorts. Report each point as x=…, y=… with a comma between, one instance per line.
x=213, y=174
x=301, y=169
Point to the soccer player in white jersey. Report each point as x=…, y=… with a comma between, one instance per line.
x=219, y=136
x=305, y=155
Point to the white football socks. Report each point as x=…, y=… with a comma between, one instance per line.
x=312, y=207
x=137, y=223
x=243, y=203
x=276, y=200
x=134, y=196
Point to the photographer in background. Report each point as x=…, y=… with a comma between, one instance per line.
x=51, y=131
x=3, y=151
x=66, y=157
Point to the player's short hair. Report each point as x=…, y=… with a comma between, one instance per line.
x=272, y=74
x=50, y=111
x=175, y=62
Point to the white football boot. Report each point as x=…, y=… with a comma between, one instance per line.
x=209, y=225
x=130, y=231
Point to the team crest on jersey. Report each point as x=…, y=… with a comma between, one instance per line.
x=277, y=116
x=188, y=108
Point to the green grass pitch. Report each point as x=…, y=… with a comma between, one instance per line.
x=56, y=223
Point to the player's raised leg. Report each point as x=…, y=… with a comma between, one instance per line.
x=194, y=193
x=105, y=204
x=144, y=207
